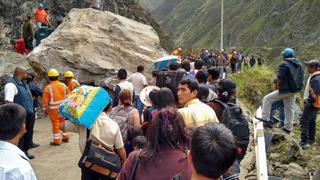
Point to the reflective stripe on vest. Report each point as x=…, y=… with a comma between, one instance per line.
x=55, y=104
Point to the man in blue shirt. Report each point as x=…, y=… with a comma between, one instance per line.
x=13, y=162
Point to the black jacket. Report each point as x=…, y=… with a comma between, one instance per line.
x=290, y=75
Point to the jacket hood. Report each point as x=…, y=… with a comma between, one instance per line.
x=293, y=61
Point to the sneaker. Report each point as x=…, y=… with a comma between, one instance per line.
x=30, y=156
x=304, y=145
x=266, y=123
x=286, y=130
x=312, y=143
x=34, y=145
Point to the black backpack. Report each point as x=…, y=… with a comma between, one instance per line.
x=169, y=79
x=233, y=118
x=297, y=77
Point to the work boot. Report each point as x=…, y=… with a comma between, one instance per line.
x=52, y=143
x=55, y=142
x=65, y=137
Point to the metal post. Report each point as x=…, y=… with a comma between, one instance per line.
x=221, y=45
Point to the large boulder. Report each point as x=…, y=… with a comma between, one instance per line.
x=8, y=62
x=93, y=44
x=11, y=13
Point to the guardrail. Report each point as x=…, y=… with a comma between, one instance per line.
x=260, y=147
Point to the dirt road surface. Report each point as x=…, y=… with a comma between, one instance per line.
x=54, y=162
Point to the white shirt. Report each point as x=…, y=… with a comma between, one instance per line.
x=104, y=130
x=107, y=132
x=139, y=81
x=10, y=90
x=126, y=85
x=14, y=164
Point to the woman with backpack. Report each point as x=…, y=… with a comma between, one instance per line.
x=125, y=115
x=165, y=157
x=230, y=114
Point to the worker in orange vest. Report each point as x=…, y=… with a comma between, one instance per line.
x=177, y=52
x=53, y=96
x=70, y=81
x=40, y=15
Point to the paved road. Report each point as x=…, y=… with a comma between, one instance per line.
x=54, y=163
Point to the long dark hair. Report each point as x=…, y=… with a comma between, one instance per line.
x=166, y=98
x=166, y=130
x=226, y=90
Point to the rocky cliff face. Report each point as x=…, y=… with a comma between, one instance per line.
x=11, y=13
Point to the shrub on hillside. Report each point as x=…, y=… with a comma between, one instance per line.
x=253, y=84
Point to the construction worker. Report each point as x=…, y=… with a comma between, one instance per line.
x=177, y=52
x=70, y=81
x=40, y=15
x=53, y=95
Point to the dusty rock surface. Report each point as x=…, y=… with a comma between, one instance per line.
x=93, y=44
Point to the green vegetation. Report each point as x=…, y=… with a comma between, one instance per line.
x=253, y=84
x=265, y=26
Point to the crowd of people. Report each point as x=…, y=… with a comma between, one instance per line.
x=232, y=61
x=168, y=128
x=183, y=124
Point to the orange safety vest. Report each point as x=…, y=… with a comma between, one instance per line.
x=176, y=52
x=40, y=15
x=54, y=94
x=316, y=98
x=72, y=84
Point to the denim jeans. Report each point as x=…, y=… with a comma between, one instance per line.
x=308, y=124
x=138, y=104
x=278, y=105
x=221, y=73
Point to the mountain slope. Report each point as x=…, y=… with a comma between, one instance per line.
x=266, y=25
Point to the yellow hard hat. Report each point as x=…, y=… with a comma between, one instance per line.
x=53, y=73
x=68, y=74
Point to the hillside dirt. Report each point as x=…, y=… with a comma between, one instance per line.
x=51, y=162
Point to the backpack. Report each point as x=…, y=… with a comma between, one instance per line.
x=170, y=79
x=233, y=118
x=297, y=77
x=121, y=115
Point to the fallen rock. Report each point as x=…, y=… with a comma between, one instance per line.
x=11, y=13
x=8, y=62
x=295, y=171
x=274, y=156
x=94, y=44
x=279, y=169
x=286, y=146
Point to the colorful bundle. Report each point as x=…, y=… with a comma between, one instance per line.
x=84, y=104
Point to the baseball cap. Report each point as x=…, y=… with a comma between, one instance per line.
x=313, y=63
